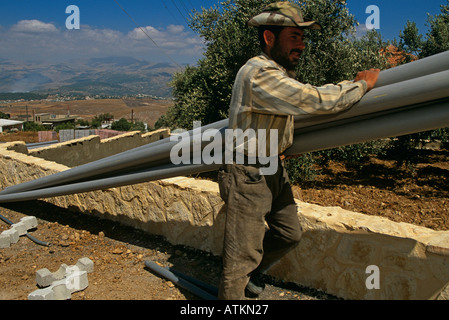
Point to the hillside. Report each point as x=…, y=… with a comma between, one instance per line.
x=97, y=76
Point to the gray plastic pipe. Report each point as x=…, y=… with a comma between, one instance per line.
x=216, y=125
x=201, y=284
x=156, y=173
x=409, y=71
x=430, y=87
x=426, y=117
x=157, y=154
x=418, y=90
x=421, y=118
x=429, y=65
x=40, y=144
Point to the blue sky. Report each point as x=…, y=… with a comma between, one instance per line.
x=36, y=29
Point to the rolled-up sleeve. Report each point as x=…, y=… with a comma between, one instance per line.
x=274, y=92
x=266, y=97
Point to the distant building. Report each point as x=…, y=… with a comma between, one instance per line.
x=52, y=120
x=107, y=123
x=6, y=125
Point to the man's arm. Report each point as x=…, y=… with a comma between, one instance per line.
x=273, y=92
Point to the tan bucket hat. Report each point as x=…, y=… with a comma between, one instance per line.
x=285, y=14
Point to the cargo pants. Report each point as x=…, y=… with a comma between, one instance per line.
x=261, y=224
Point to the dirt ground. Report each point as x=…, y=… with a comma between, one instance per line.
x=118, y=253
x=418, y=195
x=143, y=109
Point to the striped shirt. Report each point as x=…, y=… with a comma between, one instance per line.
x=266, y=97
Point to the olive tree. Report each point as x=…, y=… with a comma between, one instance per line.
x=203, y=92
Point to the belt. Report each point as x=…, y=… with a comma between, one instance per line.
x=255, y=161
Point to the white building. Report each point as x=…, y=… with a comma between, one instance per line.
x=10, y=124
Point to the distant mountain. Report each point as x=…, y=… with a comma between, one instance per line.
x=96, y=76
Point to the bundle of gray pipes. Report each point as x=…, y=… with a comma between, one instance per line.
x=407, y=99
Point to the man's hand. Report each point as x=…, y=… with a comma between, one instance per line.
x=370, y=76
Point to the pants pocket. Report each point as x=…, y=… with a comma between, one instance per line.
x=224, y=184
x=253, y=175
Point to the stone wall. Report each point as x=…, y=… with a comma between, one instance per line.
x=84, y=150
x=335, y=254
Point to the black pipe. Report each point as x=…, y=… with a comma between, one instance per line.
x=203, y=285
x=34, y=239
x=6, y=220
x=37, y=241
x=180, y=281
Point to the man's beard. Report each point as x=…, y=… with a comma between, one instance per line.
x=282, y=58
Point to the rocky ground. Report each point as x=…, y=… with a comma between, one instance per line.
x=118, y=253
x=417, y=195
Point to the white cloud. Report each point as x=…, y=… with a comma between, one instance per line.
x=37, y=40
x=173, y=38
x=33, y=26
x=175, y=29
x=142, y=33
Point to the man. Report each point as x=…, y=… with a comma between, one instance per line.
x=266, y=96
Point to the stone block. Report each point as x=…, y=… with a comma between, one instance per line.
x=85, y=264
x=62, y=289
x=25, y=224
x=45, y=278
x=12, y=234
x=5, y=241
x=17, y=230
